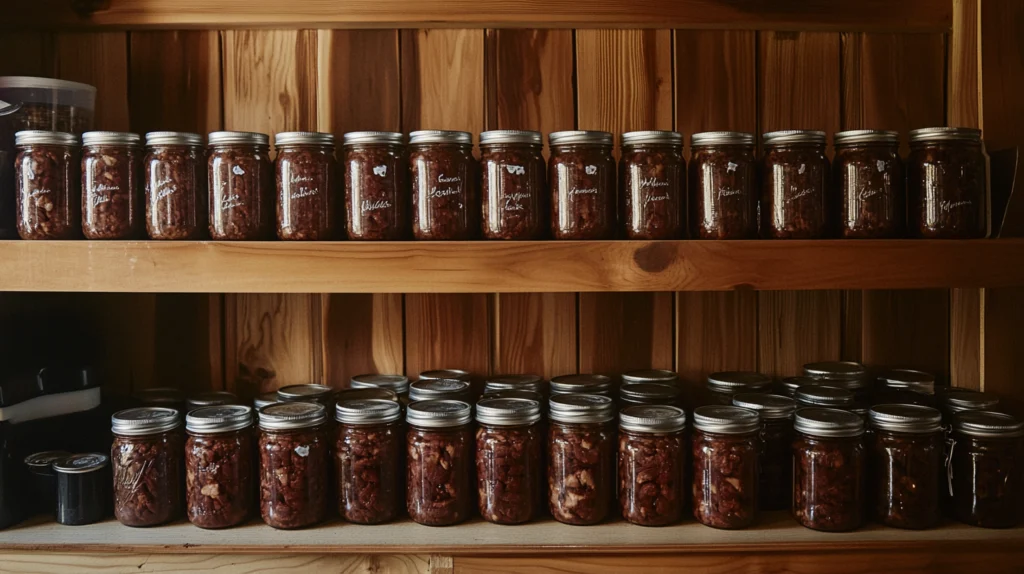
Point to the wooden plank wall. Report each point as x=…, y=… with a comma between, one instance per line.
x=617, y=80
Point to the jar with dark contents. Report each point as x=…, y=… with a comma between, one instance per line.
x=581, y=180
x=825, y=396
x=985, y=469
x=847, y=375
x=649, y=394
x=794, y=185
x=869, y=182
x=241, y=180
x=789, y=385
x=48, y=192
x=905, y=386
x=775, y=478
x=307, y=182
x=723, y=186
x=581, y=458
x=828, y=470
x=583, y=383
x=82, y=489
x=905, y=458
x=513, y=185
x=726, y=447
x=652, y=459
x=433, y=389
x=953, y=400
x=440, y=464
x=509, y=454
x=368, y=461
x=723, y=385
x=111, y=186
x=399, y=384
x=294, y=458
x=947, y=188
x=219, y=470
x=376, y=186
x=307, y=392
x=532, y=383
x=653, y=175
x=264, y=399
x=42, y=480
x=175, y=183
x=445, y=195
x=147, y=457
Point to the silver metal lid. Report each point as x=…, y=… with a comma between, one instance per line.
x=791, y=384
x=44, y=460
x=771, y=407
x=438, y=389
x=364, y=394
x=507, y=411
x=905, y=418
x=240, y=138
x=945, y=134
x=265, y=399
x=725, y=419
x=581, y=137
x=357, y=138
x=160, y=396
x=794, y=137
x=144, y=420
x=303, y=138
x=212, y=399
x=651, y=376
x=909, y=379
x=28, y=82
x=988, y=424
x=81, y=463
x=294, y=415
x=825, y=396
x=218, y=419
x=517, y=394
x=649, y=392
x=966, y=400
x=652, y=418
x=367, y=411
x=440, y=137
x=304, y=392
x=652, y=137
x=173, y=138
x=850, y=137
x=44, y=137
x=533, y=383
x=511, y=137
x=397, y=383
x=581, y=383
x=737, y=381
x=445, y=374
x=722, y=138
x=818, y=421
x=836, y=371
x=581, y=408
x=111, y=138
x=439, y=413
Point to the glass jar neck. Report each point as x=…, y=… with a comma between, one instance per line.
x=220, y=434
x=304, y=146
x=446, y=429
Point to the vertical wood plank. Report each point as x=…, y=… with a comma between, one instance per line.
x=27, y=54
x=99, y=59
x=532, y=89
x=799, y=89
x=624, y=83
x=716, y=89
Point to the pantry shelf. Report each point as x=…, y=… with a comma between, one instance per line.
x=486, y=267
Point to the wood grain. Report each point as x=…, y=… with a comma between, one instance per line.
x=99, y=59
x=27, y=54
x=362, y=334
x=43, y=563
x=625, y=331
x=715, y=332
x=796, y=328
x=447, y=331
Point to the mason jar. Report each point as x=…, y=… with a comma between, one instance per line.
x=175, y=183
x=947, y=185
x=633, y=394
x=794, y=185
x=954, y=400
x=48, y=193
x=111, y=186
x=847, y=375
x=147, y=457
x=581, y=458
x=789, y=385
x=653, y=175
x=439, y=446
x=524, y=382
x=986, y=469
x=726, y=446
x=905, y=458
x=583, y=383
x=452, y=389
x=581, y=178
x=241, y=186
x=828, y=469
x=377, y=198
x=513, y=185
x=775, y=460
x=723, y=186
x=652, y=461
x=869, y=178
x=905, y=386
x=294, y=461
x=369, y=461
x=723, y=385
x=509, y=459
x=397, y=383
x=660, y=376
x=219, y=470
x=211, y=399
x=308, y=392
x=458, y=374
x=445, y=194
x=307, y=181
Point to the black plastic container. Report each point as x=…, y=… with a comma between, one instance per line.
x=83, y=488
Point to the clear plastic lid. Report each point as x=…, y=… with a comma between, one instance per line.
x=18, y=89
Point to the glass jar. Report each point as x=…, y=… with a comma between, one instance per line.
x=789, y=385
x=307, y=181
x=794, y=185
x=582, y=384
x=581, y=180
x=775, y=478
x=82, y=489
x=42, y=480
x=581, y=458
x=264, y=399
x=111, y=190
x=947, y=187
x=513, y=185
x=652, y=459
x=368, y=460
x=211, y=399
x=723, y=385
x=399, y=384
x=723, y=186
x=307, y=392
x=843, y=374
x=440, y=467
x=147, y=457
x=48, y=192
x=905, y=386
x=868, y=172
x=725, y=466
x=825, y=396
x=377, y=393
x=241, y=186
x=954, y=400
x=985, y=469
x=905, y=457
x=166, y=397
x=294, y=458
x=532, y=383
x=175, y=181
x=445, y=198
x=458, y=374
x=451, y=389
x=218, y=465
x=653, y=174
x=510, y=481
x=376, y=186
x=828, y=469
x=632, y=394
x=659, y=376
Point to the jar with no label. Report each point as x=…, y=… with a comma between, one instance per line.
x=47, y=174
x=947, y=184
x=581, y=175
x=147, y=457
x=905, y=456
x=653, y=174
x=219, y=469
x=868, y=172
x=445, y=195
x=175, y=182
x=241, y=186
x=111, y=186
x=775, y=484
x=723, y=186
x=368, y=460
x=652, y=456
x=581, y=458
x=828, y=470
x=509, y=459
x=376, y=186
x=440, y=453
x=513, y=185
x=794, y=185
x=725, y=466
x=986, y=469
x=307, y=179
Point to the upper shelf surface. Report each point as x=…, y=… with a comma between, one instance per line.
x=845, y=15
x=489, y=266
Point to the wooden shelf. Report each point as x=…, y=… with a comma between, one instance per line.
x=485, y=267
x=777, y=532
x=906, y=15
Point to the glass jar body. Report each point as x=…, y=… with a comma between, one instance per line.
x=582, y=185
x=904, y=477
x=513, y=186
x=509, y=472
x=48, y=194
x=307, y=180
x=651, y=473
x=241, y=192
x=775, y=487
x=828, y=482
x=987, y=480
x=725, y=479
x=871, y=180
x=653, y=191
x=440, y=468
x=111, y=191
x=293, y=476
x=445, y=198
x=377, y=192
x=369, y=466
x=794, y=189
x=723, y=192
x=175, y=182
x=947, y=190
x=581, y=471
x=219, y=478
x=147, y=478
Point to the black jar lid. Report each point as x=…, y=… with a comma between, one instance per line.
x=397, y=383
x=445, y=374
x=439, y=413
x=988, y=424
x=367, y=411
x=905, y=418
x=724, y=419
x=722, y=138
x=853, y=137
x=649, y=392
x=438, y=389
x=440, y=137
x=45, y=137
x=966, y=400
x=511, y=137
x=824, y=422
x=527, y=382
x=909, y=380
x=371, y=137
x=662, y=376
x=239, y=138
x=304, y=392
x=581, y=383
x=825, y=396
x=584, y=137
x=212, y=399
x=144, y=420
x=111, y=138
x=293, y=415
x=771, y=407
x=42, y=462
x=784, y=137
x=737, y=381
x=303, y=138
x=173, y=138
x=507, y=411
x=581, y=408
x=219, y=419
x=652, y=419
x=945, y=134
x=81, y=463
x=657, y=137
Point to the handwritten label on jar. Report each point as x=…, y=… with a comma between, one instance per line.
x=866, y=194
x=799, y=194
x=304, y=192
x=99, y=199
x=653, y=198
x=380, y=170
x=590, y=169
x=165, y=187
x=439, y=192
x=946, y=206
x=237, y=170
x=101, y=188
x=229, y=201
x=585, y=191
x=302, y=451
x=367, y=206
x=649, y=182
x=880, y=165
x=38, y=192
x=515, y=169
x=513, y=201
x=730, y=167
x=724, y=192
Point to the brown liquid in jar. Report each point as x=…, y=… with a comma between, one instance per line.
x=241, y=186
x=869, y=180
x=376, y=186
x=47, y=190
x=307, y=179
x=794, y=185
x=947, y=184
x=175, y=183
x=111, y=186
x=581, y=175
x=653, y=175
x=723, y=194
x=513, y=185
x=445, y=194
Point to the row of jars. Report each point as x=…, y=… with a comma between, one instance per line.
x=434, y=188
